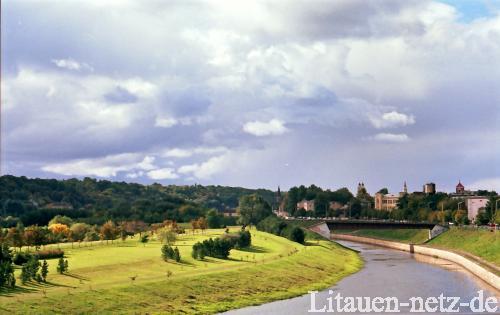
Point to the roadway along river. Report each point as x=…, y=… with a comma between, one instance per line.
x=389, y=273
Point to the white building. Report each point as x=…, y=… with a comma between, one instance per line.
x=474, y=204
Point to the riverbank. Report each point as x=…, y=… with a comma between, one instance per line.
x=100, y=278
x=484, y=244
x=474, y=267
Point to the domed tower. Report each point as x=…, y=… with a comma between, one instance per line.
x=460, y=189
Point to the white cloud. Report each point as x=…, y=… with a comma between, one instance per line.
x=71, y=64
x=107, y=166
x=391, y=137
x=183, y=153
x=492, y=183
x=259, y=128
x=163, y=173
x=208, y=168
x=165, y=122
x=391, y=119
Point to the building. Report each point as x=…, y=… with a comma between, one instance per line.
x=335, y=205
x=389, y=202
x=386, y=202
x=474, y=204
x=229, y=212
x=429, y=188
x=307, y=205
x=461, y=192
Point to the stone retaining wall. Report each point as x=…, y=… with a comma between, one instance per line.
x=479, y=271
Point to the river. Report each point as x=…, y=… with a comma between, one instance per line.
x=389, y=273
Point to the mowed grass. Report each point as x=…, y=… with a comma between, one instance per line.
x=409, y=236
x=100, y=277
x=482, y=243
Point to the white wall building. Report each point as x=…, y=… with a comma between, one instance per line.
x=474, y=204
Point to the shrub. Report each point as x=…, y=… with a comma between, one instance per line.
x=49, y=253
x=217, y=248
x=21, y=258
x=297, y=235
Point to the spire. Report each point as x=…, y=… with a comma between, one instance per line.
x=405, y=188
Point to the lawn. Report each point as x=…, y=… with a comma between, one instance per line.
x=482, y=243
x=413, y=236
x=100, y=277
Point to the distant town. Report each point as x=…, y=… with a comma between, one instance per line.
x=462, y=206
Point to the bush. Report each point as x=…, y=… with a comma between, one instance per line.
x=21, y=258
x=276, y=226
x=49, y=253
x=217, y=248
x=297, y=235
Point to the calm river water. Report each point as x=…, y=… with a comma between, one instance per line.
x=389, y=273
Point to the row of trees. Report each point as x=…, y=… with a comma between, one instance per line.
x=277, y=226
x=36, y=201
x=220, y=247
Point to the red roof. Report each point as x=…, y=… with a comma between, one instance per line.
x=460, y=185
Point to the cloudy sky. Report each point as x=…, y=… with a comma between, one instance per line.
x=254, y=94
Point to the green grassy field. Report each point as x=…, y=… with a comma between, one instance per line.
x=482, y=243
x=99, y=280
x=413, y=236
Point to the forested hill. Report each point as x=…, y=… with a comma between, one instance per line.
x=36, y=201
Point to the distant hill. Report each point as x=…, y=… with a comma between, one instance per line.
x=36, y=201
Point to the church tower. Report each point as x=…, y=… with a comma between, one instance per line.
x=405, y=188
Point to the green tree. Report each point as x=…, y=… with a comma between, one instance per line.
x=45, y=270
x=384, y=191
x=177, y=255
x=144, y=239
x=213, y=219
x=297, y=235
x=252, y=209
x=61, y=266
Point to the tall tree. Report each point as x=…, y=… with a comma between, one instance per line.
x=252, y=209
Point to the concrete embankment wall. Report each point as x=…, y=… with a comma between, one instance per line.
x=482, y=273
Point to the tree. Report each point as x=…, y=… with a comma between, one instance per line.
x=45, y=270
x=202, y=224
x=61, y=219
x=108, y=231
x=166, y=235
x=144, y=239
x=177, y=255
x=78, y=231
x=61, y=266
x=384, y=191
x=213, y=219
x=60, y=231
x=16, y=236
x=35, y=236
x=6, y=269
x=297, y=235
x=252, y=209
x=194, y=225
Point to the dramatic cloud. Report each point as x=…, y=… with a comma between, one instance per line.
x=108, y=166
x=259, y=128
x=202, y=91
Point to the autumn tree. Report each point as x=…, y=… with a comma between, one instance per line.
x=108, y=231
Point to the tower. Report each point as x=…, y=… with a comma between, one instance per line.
x=460, y=188
x=405, y=188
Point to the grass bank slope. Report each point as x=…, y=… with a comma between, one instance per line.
x=482, y=243
x=409, y=236
x=100, y=278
